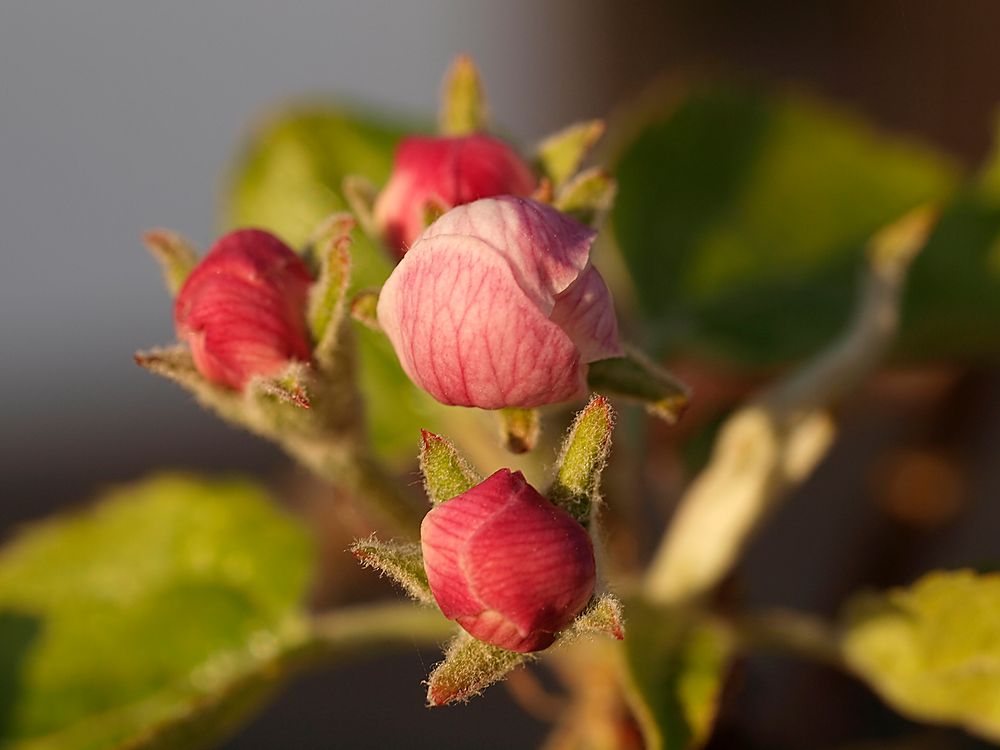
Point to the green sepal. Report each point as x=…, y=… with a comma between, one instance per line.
x=602, y=617
x=582, y=458
x=177, y=257
x=360, y=194
x=446, y=472
x=463, y=102
x=561, y=154
x=266, y=407
x=402, y=562
x=176, y=364
x=328, y=294
x=364, y=309
x=433, y=210
x=635, y=377
x=289, y=387
x=519, y=429
x=469, y=667
x=588, y=196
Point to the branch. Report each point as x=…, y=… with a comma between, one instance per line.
x=772, y=444
x=371, y=628
x=789, y=632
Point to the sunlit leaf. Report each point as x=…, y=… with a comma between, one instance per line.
x=159, y=613
x=932, y=651
x=742, y=217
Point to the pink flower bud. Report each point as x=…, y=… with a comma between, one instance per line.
x=445, y=172
x=506, y=564
x=497, y=305
x=242, y=309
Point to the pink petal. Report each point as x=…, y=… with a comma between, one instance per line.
x=546, y=249
x=449, y=172
x=506, y=564
x=587, y=315
x=466, y=333
x=242, y=309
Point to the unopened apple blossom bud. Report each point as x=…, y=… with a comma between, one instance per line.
x=242, y=309
x=506, y=564
x=497, y=305
x=432, y=174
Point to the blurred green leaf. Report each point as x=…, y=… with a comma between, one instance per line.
x=932, y=651
x=288, y=178
x=288, y=175
x=677, y=666
x=153, y=619
x=742, y=217
x=952, y=303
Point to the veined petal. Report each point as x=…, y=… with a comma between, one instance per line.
x=465, y=331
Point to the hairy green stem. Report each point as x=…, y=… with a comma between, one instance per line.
x=373, y=628
x=347, y=462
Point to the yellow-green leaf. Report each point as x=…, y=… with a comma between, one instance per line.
x=932, y=650
x=165, y=605
x=677, y=665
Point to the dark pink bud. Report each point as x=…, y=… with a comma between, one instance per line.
x=506, y=564
x=442, y=173
x=497, y=305
x=242, y=309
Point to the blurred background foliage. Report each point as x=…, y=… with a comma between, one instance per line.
x=171, y=597
x=734, y=249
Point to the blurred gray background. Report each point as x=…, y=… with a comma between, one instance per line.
x=118, y=115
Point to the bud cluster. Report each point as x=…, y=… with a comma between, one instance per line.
x=493, y=303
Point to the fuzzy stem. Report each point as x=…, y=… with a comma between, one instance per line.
x=346, y=461
x=373, y=628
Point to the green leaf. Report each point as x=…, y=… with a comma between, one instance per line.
x=288, y=175
x=582, y=458
x=932, y=650
x=952, y=303
x=561, y=154
x=165, y=605
x=463, y=103
x=402, y=562
x=446, y=472
x=742, y=217
x=677, y=665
